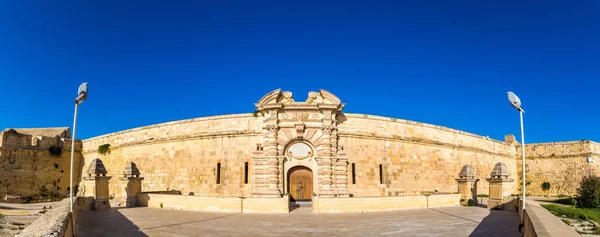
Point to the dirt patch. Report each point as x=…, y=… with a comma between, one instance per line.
x=13, y=225
x=16, y=217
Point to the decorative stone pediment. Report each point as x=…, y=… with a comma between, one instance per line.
x=278, y=99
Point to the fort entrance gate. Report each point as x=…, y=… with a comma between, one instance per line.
x=300, y=134
x=300, y=183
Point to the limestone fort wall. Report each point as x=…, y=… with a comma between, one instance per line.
x=183, y=155
x=415, y=156
x=27, y=169
x=562, y=164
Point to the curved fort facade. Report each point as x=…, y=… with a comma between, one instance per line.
x=311, y=149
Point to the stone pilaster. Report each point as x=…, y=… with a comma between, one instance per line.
x=266, y=174
x=325, y=148
x=334, y=143
x=280, y=174
x=340, y=174
x=325, y=181
x=270, y=137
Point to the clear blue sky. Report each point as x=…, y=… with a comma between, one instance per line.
x=448, y=63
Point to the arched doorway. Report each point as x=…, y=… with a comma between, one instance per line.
x=300, y=183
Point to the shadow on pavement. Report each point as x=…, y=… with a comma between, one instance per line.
x=460, y=217
x=190, y=222
x=498, y=223
x=106, y=223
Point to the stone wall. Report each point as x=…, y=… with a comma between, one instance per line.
x=415, y=157
x=183, y=155
x=562, y=164
x=27, y=168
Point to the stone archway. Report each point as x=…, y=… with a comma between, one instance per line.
x=300, y=183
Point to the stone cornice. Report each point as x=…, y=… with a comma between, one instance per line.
x=181, y=138
x=423, y=141
x=207, y=118
x=414, y=123
x=579, y=155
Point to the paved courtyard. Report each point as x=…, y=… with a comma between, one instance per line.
x=448, y=221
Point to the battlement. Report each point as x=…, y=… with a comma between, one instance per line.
x=41, y=139
x=561, y=149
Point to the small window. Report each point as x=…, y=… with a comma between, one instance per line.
x=218, y=173
x=245, y=172
x=353, y=173
x=380, y=173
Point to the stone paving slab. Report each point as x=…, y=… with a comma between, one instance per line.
x=448, y=221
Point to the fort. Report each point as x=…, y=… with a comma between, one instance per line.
x=287, y=150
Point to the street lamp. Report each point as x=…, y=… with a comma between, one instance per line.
x=516, y=102
x=81, y=96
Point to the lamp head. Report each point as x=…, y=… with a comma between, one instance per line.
x=514, y=100
x=82, y=92
x=590, y=160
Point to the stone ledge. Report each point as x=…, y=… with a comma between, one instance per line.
x=426, y=125
x=215, y=204
x=377, y=204
x=207, y=118
x=423, y=141
x=540, y=222
x=180, y=138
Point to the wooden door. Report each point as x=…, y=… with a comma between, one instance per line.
x=300, y=183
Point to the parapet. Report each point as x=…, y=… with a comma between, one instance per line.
x=561, y=149
x=40, y=138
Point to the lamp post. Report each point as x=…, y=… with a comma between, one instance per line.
x=81, y=96
x=516, y=103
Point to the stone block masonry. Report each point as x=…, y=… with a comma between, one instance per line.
x=29, y=170
x=561, y=164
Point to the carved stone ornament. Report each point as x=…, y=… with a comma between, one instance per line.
x=299, y=130
x=272, y=127
x=328, y=128
x=500, y=171
x=467, y=172
x=287, y=97
x=314, y=98
x=299, y=151
x=96, y=168
x=131, y=170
